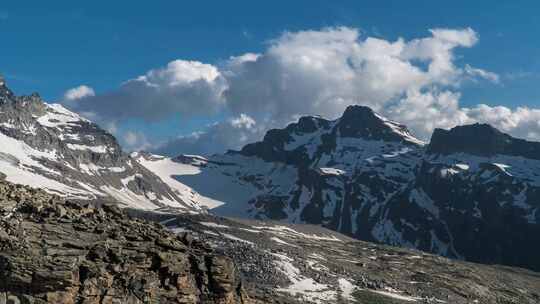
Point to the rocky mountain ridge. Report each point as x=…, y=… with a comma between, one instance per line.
x=367, y=177
x=481, y=140
x=47, y=146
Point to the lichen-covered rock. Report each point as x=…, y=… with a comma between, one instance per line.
x=57, y=251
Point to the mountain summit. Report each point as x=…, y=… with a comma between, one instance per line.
x=363, y=122
x=316, y=135
x=5, y=92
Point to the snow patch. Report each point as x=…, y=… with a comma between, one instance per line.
x=332, y=171
x=95, y=149
x=301, y=286
x=234, y=238
x=213, y=225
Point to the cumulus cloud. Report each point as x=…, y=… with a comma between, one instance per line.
x=181, y=87
x=317, y=72
x=79, y=92
x=321, y=72
x=423, y=112
x=522, y=121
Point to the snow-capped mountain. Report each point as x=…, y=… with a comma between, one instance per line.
x=47, y=146
x=472, y=193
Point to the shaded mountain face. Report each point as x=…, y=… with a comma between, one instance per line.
x=367, y=177
x=47, y=146
x=482, y=140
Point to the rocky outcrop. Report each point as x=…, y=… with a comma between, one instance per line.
x=57, y=251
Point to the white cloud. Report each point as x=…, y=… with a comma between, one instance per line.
x=182, y=87
x=180, y=73
x=522, y=121
x=321, y=72
x=423, y=112
x=475, y=72
x=79, y=92
x=318, y=72
x=243, y=121
x=465, y=37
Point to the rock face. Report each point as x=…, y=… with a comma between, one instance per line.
x=57, y=251
x=47, y=146
x=473, y=193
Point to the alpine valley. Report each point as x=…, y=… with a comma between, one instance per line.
x=303, y=216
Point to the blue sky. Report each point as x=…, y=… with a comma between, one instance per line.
x=52, y=46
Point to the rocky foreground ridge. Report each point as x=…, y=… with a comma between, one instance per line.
x=56, y=251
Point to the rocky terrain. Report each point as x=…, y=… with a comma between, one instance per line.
x=472, y=193
x=292, y=263
x=57, y=251
x=47, y=146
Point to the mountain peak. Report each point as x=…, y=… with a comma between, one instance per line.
x=362, y=121
x=483, y=140
x=5, y=92
x=357, y=110
x=311, y=133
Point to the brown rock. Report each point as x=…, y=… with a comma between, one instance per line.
x=61, y=252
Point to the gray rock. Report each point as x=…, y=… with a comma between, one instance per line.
x=125, y=261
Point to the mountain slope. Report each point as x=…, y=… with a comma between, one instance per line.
x=47, y=146
x=295, y=263
x=368, y=178
x=482, y=194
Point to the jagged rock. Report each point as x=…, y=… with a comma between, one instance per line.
x=44, y=258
